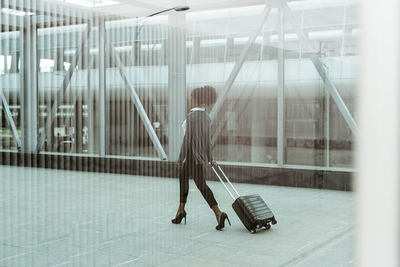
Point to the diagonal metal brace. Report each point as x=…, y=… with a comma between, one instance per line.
x=10, y=120
x=232, y=77
x=335, y=94
x=325, y=78
x=136, y=101
x=63, y=88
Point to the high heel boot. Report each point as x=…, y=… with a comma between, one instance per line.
x=221, y=223
x=179, y=217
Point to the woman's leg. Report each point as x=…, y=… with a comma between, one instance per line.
x=209, y=196
x=183, y=192
x=203, y=187
x=183, y=186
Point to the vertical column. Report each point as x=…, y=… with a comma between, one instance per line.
x=91, y=102
x=134, y=122
x=14, y=62
x=78, y=125
x=176, y=82
x=29, y=95
x=259, y=130
x=102, y=89
x=378, y=150
x=327, y=128
x=281, y=92
x=59, y=59
x=196, y=51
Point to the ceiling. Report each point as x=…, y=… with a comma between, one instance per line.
x=70, y=11
x=141, y=8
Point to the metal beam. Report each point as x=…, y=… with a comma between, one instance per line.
x=281, y=137
x=28, y=83
x=90, y=107
x=63, y=88
x=335, y=94
x=136, y=101
x=14, y=62
x=102, y=88
x=10, y=120
x=11, y=21
x=325, y=77
x=327, y=128
x=232, y=77
x=176, y=83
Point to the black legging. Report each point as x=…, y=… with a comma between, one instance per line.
x=196, y=171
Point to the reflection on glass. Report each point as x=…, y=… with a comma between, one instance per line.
x=131, y=61
x=10, y=110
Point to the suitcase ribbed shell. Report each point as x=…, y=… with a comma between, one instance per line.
x=253, y=212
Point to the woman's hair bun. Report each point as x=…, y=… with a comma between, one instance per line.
x=205, y=95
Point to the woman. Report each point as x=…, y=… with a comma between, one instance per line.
x=196, y=154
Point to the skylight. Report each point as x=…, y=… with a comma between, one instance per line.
x=91, y=3
x=16, y=12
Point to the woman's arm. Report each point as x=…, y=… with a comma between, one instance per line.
x=186, y=140
x=210, y=145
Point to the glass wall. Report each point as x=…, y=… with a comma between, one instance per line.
x=245, y=127
x=10, y=130
x=104, y=84
x=62, y=87
x=315, y=131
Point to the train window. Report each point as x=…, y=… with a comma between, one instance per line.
x=5, y=63
x=46, y=65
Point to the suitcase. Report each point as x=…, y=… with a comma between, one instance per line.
x=252, y=209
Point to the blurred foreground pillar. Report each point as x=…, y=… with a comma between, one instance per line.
x=377, y=181
x=176, y=57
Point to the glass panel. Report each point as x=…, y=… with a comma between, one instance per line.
x=10, y=87
x=341, y=143
x=140, y=46
x=304, y=121
x=117, y=85
x=245, y=127
x=58, y=49
x=316, y=132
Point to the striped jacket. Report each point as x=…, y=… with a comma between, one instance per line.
x=197, y=139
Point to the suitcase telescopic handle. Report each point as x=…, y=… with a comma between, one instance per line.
x=234, y=189
x=222, y=181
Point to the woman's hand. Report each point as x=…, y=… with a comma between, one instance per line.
x=178, y=165
x=214, y=163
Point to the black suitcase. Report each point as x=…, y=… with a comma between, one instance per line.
x=252, y=210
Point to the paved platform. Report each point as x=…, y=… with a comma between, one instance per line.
x=68, y=218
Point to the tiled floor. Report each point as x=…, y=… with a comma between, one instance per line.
x=68, y=218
